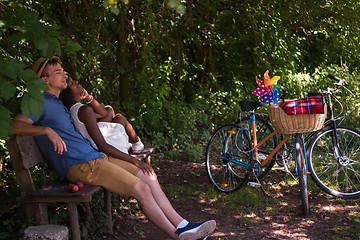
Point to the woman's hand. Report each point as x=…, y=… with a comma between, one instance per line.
x=146, y=168
x=85, y=95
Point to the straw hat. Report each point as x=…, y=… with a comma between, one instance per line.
x=40, y=64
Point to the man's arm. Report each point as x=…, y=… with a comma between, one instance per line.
x=24, y=126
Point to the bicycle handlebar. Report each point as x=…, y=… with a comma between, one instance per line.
x=336, y=78
x=333, y=77
x=282, y=97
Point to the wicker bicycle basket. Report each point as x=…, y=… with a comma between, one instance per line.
x=300, y=123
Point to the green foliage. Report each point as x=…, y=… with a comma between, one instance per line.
x=177, y=70
x=300, y=84
x=23, y=33
x=14, y=220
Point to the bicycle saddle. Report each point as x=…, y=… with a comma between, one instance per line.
x=248, y=105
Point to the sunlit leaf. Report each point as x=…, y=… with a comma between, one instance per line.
x=36, y=88
x=36, y=106
x=25, y=105
x=114, y=10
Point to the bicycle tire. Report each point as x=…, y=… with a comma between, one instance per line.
x=302, y=174
x=263, y=129
x=337, y=177
x=227, y=158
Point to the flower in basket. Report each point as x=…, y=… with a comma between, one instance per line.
x=269, y=90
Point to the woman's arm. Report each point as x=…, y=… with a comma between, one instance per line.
x=87, y=116
x=110, y=115
x=100, y=111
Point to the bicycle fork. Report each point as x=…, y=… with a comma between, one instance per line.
x=305, y=157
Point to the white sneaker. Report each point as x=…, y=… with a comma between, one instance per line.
x=137, y=147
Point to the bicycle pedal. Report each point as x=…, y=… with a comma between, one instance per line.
x=286, y=172
x=254, y=184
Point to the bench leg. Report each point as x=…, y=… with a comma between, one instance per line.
x=41, y=214
x=74, y=221
x=107, y=200
x=88, y=212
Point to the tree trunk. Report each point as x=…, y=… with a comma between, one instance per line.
x=122, y=57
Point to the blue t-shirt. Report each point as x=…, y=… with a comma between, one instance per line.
x=56, y=116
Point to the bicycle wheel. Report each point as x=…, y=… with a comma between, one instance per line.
x=263, y=129
x=302, y=174
x=228, y=154
x=336, y=169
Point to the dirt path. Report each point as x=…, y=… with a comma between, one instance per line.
x=330, y=218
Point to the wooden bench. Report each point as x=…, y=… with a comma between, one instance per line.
x=25, y=154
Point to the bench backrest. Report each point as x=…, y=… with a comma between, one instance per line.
x=25, y=154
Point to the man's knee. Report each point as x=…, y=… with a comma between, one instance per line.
x=147, y=178
x=141, y=191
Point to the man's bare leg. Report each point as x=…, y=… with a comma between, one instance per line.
x=161, y=198
x=150, y=207
x=187, y=230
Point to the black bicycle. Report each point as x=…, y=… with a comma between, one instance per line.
x=334, y=154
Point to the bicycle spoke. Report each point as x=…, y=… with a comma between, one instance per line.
x=336, y=170
x=227, y=156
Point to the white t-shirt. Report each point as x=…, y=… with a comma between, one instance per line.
x=114, y=133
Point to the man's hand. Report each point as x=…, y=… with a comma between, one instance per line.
x=24, y=126
x=59, y=144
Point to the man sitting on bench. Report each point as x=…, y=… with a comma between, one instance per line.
x=72, y=157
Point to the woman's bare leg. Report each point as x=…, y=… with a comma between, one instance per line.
x=128, y=127
x=119, y=118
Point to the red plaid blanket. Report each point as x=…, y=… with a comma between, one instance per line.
x=309, y=105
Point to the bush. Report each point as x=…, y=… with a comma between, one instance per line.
x=12, y=207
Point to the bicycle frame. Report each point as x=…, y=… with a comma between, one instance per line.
x=251, y=124
x=247, y=156
x=334, y=137
x=330, y=122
